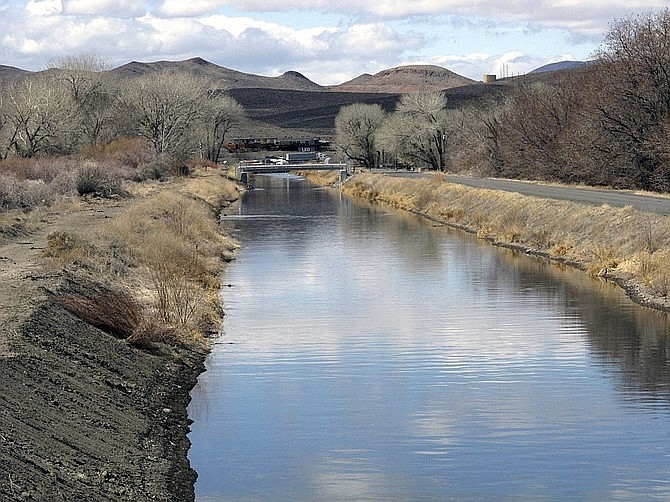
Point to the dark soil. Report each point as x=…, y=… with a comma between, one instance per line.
x=315, y=112
x=84, y=416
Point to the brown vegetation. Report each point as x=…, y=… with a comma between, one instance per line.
x=98, y=376
x=76, y=106
x=167, y=247
x=606, y=123
x=623, y=244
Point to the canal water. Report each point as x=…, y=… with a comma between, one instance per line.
x=369, y=355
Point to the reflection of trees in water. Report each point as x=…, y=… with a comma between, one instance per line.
x=625, y=338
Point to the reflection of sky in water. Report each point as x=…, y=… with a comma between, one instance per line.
x=367, y=357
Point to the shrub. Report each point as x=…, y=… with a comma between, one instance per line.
x=24, y=194
x=66, y=248
x=114, y=312
x=661, y=285
x=18, y=167
x=602, y=262
x=156, y=169
x=92, y=178
x=175, y=269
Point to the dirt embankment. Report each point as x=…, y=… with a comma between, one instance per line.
x=85, y=415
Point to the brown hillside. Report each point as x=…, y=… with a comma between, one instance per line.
x=224, y=78
x=9, y=72
x=404, y=79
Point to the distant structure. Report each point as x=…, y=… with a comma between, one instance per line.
x=489, y=78
x=276, y=144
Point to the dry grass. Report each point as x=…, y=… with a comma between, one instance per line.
x=151, y=331
x=64, y=248
x=167, y=249
x=616, y=242
x=324, y=178
x=113, y=311
x=213, y=187
x=174, y=238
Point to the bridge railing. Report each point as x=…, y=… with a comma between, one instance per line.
x=285, y=168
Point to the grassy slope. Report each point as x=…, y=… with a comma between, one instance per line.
x=627, y=246
x=85, y=414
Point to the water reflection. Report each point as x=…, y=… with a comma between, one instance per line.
x=369, y=356
x=628, y=340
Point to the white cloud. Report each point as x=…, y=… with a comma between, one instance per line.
x=43, y=7
x=315, y=51
x=586, y=17
x=190, y=8
x=111, y=8
x=238, y=25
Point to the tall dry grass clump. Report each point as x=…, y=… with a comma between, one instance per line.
x=620, y=243
x=215, y=189
x=163, y=254
x=174, y=239
x=114, y=311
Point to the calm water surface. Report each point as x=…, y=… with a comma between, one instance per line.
x=370, y=356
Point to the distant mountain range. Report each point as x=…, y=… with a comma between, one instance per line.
x=291, y=105
x=392, y=81
x=225, y=78
x=399, y=80
x=9, y=72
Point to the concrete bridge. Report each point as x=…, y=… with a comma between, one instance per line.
x=244, y=169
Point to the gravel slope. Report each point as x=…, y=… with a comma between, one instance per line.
x=84, y=416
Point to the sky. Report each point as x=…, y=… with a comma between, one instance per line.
x=328, y=41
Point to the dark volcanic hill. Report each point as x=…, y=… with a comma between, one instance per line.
x=224, y=78
x=314, y=112
x=404, y=79
x=562, y=65
x=304, y=111
x=9, y=72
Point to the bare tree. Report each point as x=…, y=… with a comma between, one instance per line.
x=356, y=128
x=92, y=92
x=166, y=108
x=39, y=117
x=221, y=113
x=634, y=107
x=4, y=129
x=420, y=128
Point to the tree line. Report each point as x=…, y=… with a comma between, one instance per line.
x=605, y=124
x=75, y=104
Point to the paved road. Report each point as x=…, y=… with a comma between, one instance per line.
x=596, y=197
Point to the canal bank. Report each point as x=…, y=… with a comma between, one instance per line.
x=624, y=245
x=94, y=396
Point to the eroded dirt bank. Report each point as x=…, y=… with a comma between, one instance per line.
x=84, y=415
